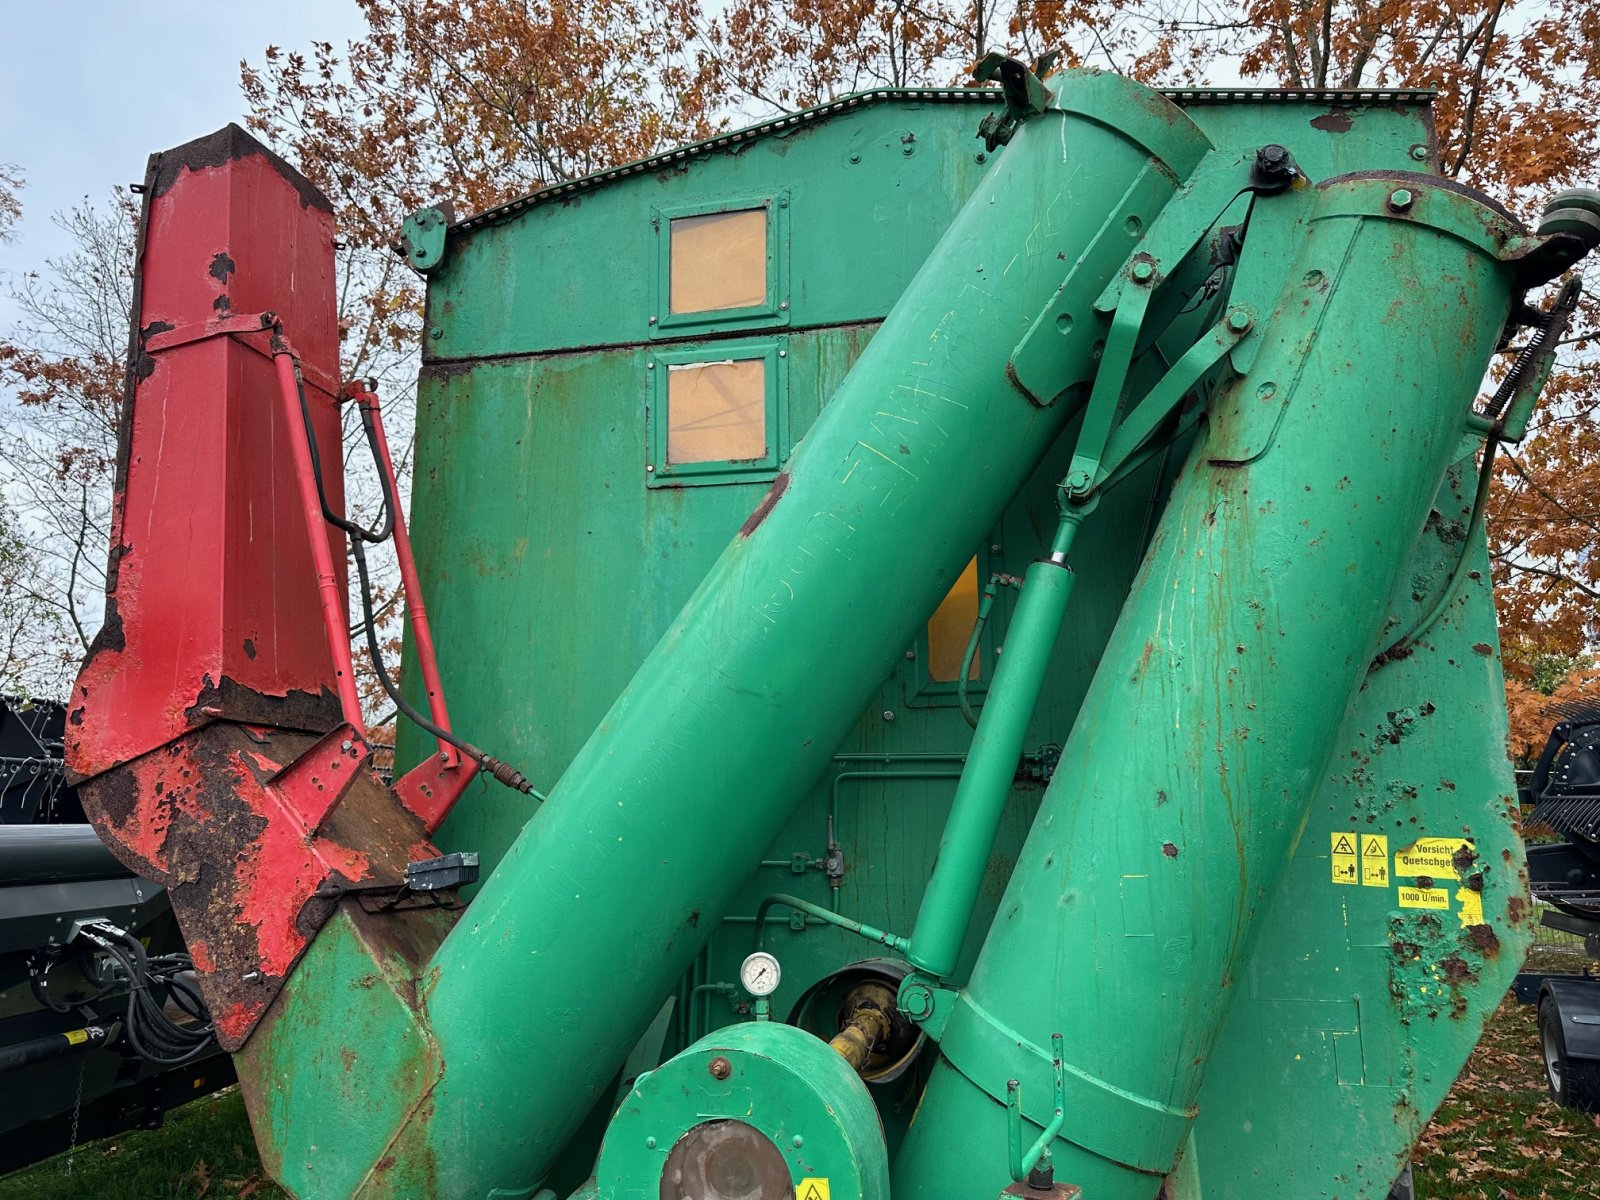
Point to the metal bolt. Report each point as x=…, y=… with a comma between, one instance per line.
x=994, y=547
x=650, y=366
x=720, y=1068
x=345, y=745
x=784, y=305
x=783, y=354
x=888, y=714
x=917, y=1002
x=436, y=334
x=798, y=1141
x=911, y=654
x=652, y=320
x=1400, y=199
x=1419, y=152
x=980, y=158
x=649, y=1143
x=1143, y=271
x=251, y=975
x=855, y=158
x=649, y=467
x=1238, y=320
x=1273, y=161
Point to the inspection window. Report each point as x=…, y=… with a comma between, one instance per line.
x=722, y=265
x=717, y=413
x=943, y=641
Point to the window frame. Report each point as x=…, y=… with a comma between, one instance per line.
x=922, y=691
x=774, y=312
x=774, y=352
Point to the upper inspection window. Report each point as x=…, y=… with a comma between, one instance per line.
x=719, y=261
x=722, y=266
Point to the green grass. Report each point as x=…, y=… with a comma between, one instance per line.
x=1497, y=1137
x=203, y=1152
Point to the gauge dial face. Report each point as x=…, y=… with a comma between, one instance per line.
x=760, y=974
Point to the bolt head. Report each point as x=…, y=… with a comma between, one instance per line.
x=888, y=714
x=1143, y=271
x=1401, y=199
x=1238, y=320
x=720, y=1068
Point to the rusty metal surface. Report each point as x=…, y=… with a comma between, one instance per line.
x=245, y=825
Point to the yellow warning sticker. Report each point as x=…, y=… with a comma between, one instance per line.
x=812, y=1189
x=1374, y=860
x=1433, y=856
x=76, y=1036
x=1345, y=869
x=1415, y=897
x=1471, y=907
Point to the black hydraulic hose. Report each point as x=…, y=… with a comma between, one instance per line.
x=503, y=772
x=355, y=530
x=154, y=1035
x=54, y=1045
x=360, y=534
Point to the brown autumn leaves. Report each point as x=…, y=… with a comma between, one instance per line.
x=482, y=100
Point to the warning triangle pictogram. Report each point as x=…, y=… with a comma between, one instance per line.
x=1344, y=845
x=1373, y=850
x=812, y=1193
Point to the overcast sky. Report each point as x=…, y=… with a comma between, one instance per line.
x=89, y=88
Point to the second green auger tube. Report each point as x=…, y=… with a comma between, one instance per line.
x=1186, y=780
x=603, y=900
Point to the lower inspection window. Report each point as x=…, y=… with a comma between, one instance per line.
x=717, y=413
x=943, y=642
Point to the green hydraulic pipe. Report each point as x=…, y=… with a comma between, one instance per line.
x=980, y=799
x=610, y=891
x=1188, y=777
x=827, y=916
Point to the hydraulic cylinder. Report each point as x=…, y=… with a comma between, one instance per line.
x=1187, y=778
x=613, y=887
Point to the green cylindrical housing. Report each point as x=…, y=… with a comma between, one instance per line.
x=986, y=782
x=601, y=903
x=1187, y=779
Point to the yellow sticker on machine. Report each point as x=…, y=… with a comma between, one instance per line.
x=1471, y=907
x=76, y=1036
x=1374, y=860
x=812, y=1189
x=1345, y=859
x=1415, y=897
x=1434, y=856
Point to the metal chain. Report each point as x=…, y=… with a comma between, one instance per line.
x=77, y=1109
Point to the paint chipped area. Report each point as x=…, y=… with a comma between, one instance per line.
x=280, y=870
x=217, y=818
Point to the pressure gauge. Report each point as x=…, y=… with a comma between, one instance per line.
x=760, y=974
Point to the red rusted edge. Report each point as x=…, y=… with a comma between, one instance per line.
x=217, y=818
x=430, y=789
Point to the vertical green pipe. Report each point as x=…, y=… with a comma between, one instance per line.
x=1188, y=776
x=609, y=892
x=980, y=799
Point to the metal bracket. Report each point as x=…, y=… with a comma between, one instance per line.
x=422, y=237
x=1025, y=94
x=1170, y=235
x=1034, y=1163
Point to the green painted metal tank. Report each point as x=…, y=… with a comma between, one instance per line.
x=716, y=454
